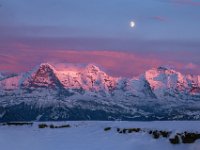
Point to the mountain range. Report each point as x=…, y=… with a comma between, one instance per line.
x=44, y=94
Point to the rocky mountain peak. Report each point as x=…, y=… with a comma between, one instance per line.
x=161, y=81
x=43, y=75
x=92, y=69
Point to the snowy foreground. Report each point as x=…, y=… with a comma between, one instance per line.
x=86, y=135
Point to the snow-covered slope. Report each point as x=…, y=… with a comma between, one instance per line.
x=86, y=135
x=160, y=93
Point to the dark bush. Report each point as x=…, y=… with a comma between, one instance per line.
x=150, y=132
x=119, y=130
x=61, y=126
x=42, y=125
x=52, y=126
x=175, y=140
x=189, y=137
x=64, y=126
x=107, y=129
x=165, y=134
x=18, y=123
x=156, y=134
x=130, y=130
x=185, y=137
x=124, y=131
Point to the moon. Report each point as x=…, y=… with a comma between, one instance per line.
x=132, y=24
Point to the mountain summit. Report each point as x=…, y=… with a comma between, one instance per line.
x=45, y=93
x=43, y=75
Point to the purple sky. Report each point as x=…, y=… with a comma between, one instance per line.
x=167, y=32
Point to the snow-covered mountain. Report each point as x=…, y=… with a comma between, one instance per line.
x=168, y=82
x=45, y=93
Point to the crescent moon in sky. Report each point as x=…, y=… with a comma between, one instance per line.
x=132, y=24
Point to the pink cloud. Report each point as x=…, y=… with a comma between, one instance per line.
x=116, y=63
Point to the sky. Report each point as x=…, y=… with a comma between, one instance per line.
x=166, y=32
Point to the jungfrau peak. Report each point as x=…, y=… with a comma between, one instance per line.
x=168, y=82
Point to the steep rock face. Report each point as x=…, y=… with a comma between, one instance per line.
x=42, y=76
